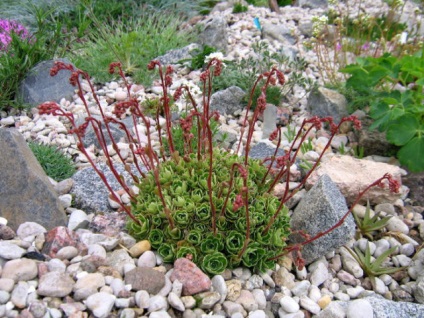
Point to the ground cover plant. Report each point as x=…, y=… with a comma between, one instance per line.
x=210, y=205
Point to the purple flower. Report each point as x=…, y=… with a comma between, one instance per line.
x=365, y=46
x=6, y=28
x=338, y=46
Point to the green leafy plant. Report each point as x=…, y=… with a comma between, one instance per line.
x=53, y=161
x=198, y=61
x=239, y=8
x=373, y=268
x=209, y=205
x=369, y=225
x=290, y=134
x=306, y=146
x=398, y=112
x=358, y=151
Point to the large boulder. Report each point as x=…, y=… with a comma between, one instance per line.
x=215, y=33
x=228, y=100
x=324, y=102
x=321, y=208
x=25, y=190
x=39, y=87
x=178, y=55
x=353, y=175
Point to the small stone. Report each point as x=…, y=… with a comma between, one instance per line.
x=301, y=288
x=219, y=285
x=157, y=303
x=397, y=225
x=67, y=252
x=208, y=299
x=147, y=259
x=88, y=285
x=193, y=279
x=78, y=220
x=319, y=275
x=55, y=284
x=142, y=299
x=234, y=289
x=360, y=308
x=6, y=284
x=9, y=250
x=66, y=200
x=100, y=304
x=175, y=302
x=145, y=278
x=324, y=301
x=289, y=304
x=308, y=304
x=139, y=248
x=20, y=294
x=247, y=300
x=188, y=301
x=260, y=298
x=20, y=270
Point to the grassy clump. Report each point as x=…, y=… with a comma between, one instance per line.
x=53, y=161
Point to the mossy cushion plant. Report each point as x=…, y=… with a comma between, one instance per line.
x=53, y=161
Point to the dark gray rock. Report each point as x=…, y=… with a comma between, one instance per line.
x=90, y=193
x=215, y=33
x=277, y=32
x=321, y=208
x=178, y=55
x=39, y=87
x=323, y=102
x=117, y=133
x=263, y=150
x=25, y=190
x=312, y=4
x=415, y=183
x=227, y=101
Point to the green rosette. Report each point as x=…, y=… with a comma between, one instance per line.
x=212, y=243
x=234, y=242
x=156, y=238
x=265, y=263
x=182, y=218
x=183, y=251
x=167, y=252
x=215, y=263
x=194, y=237
x=139, y=231
x=175, y=234
x=261, y=238
x=252, y=255
x=157, y=220
x=203, y=213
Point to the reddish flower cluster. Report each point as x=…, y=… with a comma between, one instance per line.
x=121, y=108
x=280, y=77
x=80, y=130
x=261, y=103
x=242, y=171
x=274, y=134
x=282, y=160
x=238, y=203
x=186, y=123
x=205, y=75
x=58, y=65
x=114, y=65
x=152, y=64
x=178, y=92
x=394, y=185
x=50, y=108
x=168, y=73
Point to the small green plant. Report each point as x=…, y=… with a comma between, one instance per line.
x=239, y=8
x=342, y=149
x=306, y=146
x=373, y=268
x=398, y=112
x=290, y=134
x=198, y=61
x=53, y=161
x=369, y=225
x=358, y=151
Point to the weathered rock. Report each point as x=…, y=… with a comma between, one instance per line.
x=177, y=55
x=263, y=150
x=58, y=238
x=20, y=270
x=323, y=102
x=227, y=101
x=353, y=175
x=415, y=183
x=39, y=87
x=278, y=32
x=312, y=4
x=25, y=190
x=55, y=284
x=215, y=33
x=321, y=208
x=145, y=278
x=193, y=279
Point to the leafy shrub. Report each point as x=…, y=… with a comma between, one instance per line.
x=399, y=112
x=206, y=204
x=53, y=161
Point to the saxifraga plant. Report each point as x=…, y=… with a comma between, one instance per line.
x=206, y=204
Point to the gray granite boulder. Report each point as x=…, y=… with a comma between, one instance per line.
x=278, y=32
x=39, y=87
x=215, y=33
x=321, y=208
x=228, y=100
x=323, y=102
x=90, y=193
x=263, y=150
x=25, y=190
